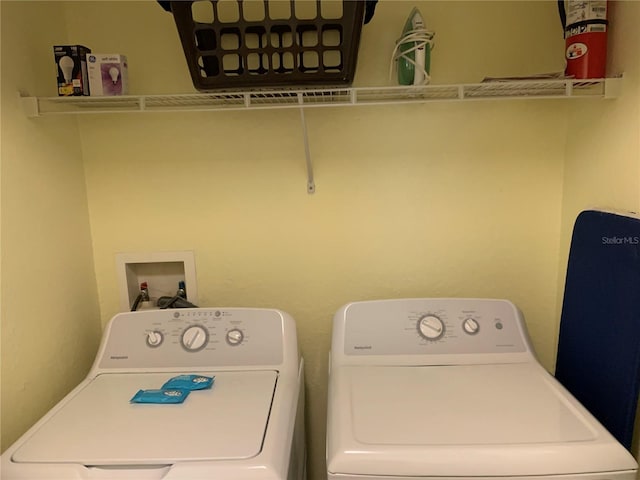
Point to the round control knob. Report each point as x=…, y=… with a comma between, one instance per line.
x=235, y=337
x=154, y=338
x=195, y=338
x=471, y=326
x=431, y=327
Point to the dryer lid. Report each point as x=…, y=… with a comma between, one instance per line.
x=461, y=405
x=462, y=421
x=98, y=425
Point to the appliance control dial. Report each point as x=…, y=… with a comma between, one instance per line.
x=235, y=337
x=195, y=338
x=471, y=326
x=431, y=327
x=154, y=338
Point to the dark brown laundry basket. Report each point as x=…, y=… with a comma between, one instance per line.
x=237, y=44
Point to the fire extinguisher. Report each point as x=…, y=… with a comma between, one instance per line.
x=585, y=32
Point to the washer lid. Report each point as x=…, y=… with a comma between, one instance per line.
x=462, y=421
x=98, y=425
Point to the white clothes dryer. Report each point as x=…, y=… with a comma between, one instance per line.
x=249, y=425
x=450, y=388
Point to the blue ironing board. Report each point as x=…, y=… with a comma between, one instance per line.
x=599, y=345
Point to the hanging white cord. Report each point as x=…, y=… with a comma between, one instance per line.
x=421, y=38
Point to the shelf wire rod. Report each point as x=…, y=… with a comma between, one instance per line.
x=311, y=186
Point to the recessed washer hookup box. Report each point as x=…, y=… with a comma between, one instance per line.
x=71, y=66
x=108, y=74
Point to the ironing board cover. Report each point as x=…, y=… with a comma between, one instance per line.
x=599, y=345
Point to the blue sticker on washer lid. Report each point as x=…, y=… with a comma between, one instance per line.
x=190, y=382
x=164, y=395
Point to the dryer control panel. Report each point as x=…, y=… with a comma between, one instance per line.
x=431, y=326
x=190, y=338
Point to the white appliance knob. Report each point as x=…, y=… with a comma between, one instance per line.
x=195, y=338
x=431, y=327
x=235, y=337
x=471, y=326
x=154, y=338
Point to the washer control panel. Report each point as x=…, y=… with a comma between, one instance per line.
x=193, y=338
x=431, y=326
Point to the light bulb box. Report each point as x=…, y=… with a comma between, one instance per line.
x=71, y=64
x=108, y=74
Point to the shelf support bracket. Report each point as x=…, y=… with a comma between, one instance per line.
x=613, y=87
x=311, y=186
x=30, y=106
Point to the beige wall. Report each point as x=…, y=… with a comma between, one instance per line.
x=602, y=161
x=450, y=199
x=50, y=325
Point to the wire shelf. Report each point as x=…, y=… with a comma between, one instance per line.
x=331, y=97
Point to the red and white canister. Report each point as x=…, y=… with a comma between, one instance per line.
x=585, y=36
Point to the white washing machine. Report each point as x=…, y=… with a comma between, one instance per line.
x=249, y=425
x=450, y=388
